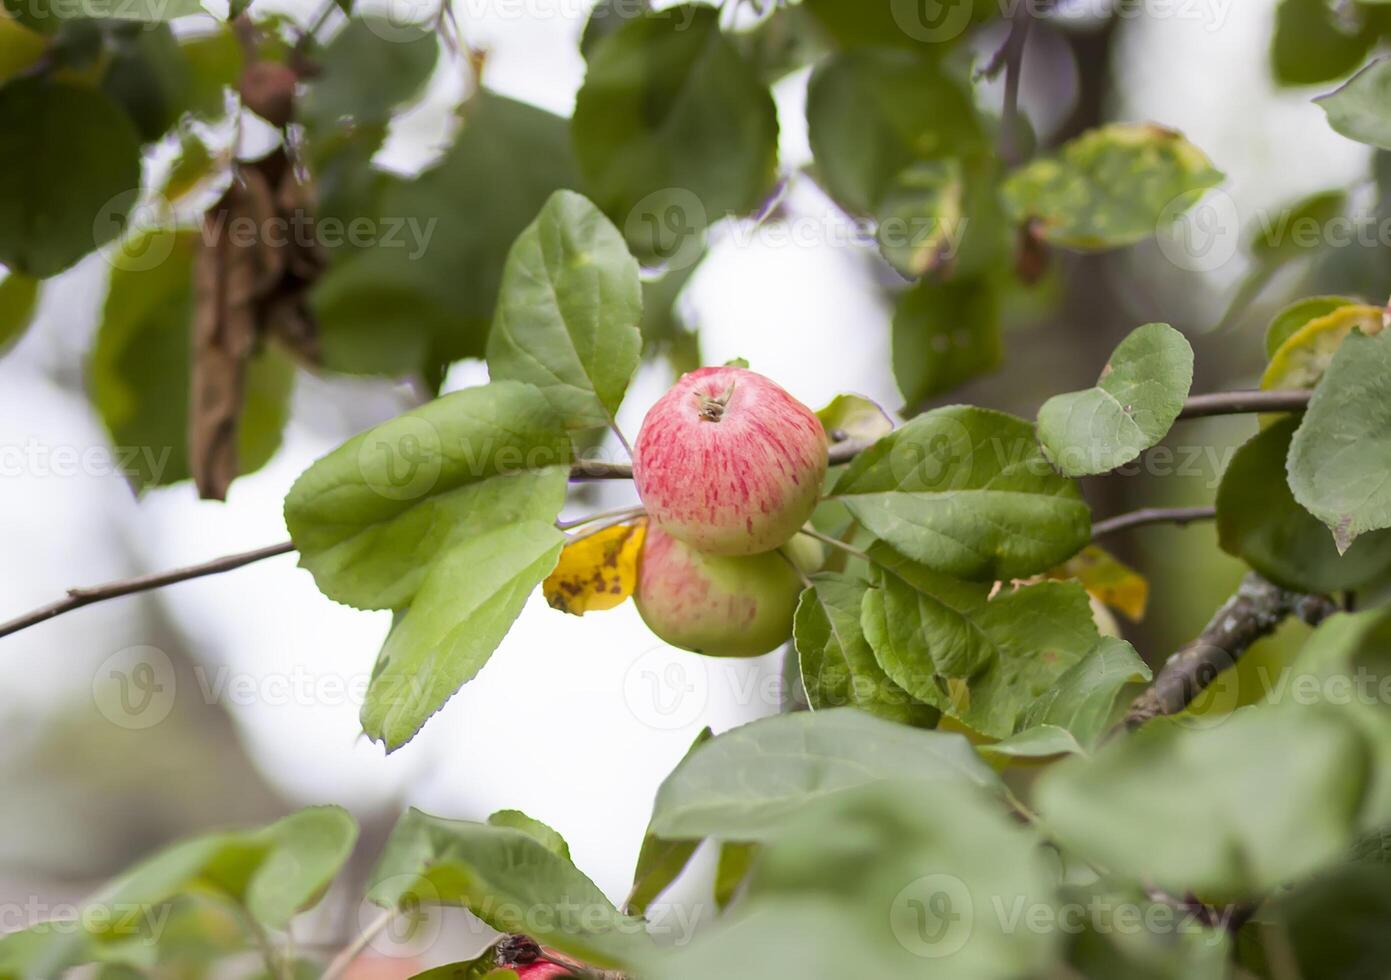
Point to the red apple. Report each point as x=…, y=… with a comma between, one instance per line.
x=729, y=463
x=540, y=970
x=720, y=605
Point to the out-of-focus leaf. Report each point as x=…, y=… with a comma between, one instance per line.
x=510, y=880
x=141, y=361
x=1110, y=187
x=20, y=47
x=1314, y=43
x=672, y=130
x=468, y=600
x=744, y=784
x=1137, y=398
x=944, y=334
x=1227, y=812
x=1109, y=579
x=69, y=173
x=1358, y=110
x=873, y=113
x=854, y=417
x=1340, y=457
x=732, y=871
x=1259, y=522
x=422, y=294
x=368, y=69
x=1292, y=318
x=569, y=312
x=597, y=572
x=922, y=217
x=215, y=63
x=1301, y=360
x=660, y=861
x=146, y=75
x=967, y=492
x=19, y=295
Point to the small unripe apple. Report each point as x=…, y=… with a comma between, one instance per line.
x=729, y=463
x=720, y=605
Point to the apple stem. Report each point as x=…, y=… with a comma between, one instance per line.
x=806, y=581
x=599, y=526
x=849, y=549
x=619, y=512
x=712, y=406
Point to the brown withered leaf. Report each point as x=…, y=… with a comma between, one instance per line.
x=231, y=270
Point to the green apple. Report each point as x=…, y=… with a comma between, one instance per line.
x=721, y=605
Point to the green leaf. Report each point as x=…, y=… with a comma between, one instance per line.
x=944, y=334
x=20, y=47
x=660, y=862
x=838, y=667
x=1288, y=321
x=732, y=871
x=569, y=312
x=370, y=517
x=369, y=68
x=672, y=130
x=854, y=417
x=901, y=23
x=139, y=369
x=273, y=872
x=873, y=113
x=744, y=784
x=1340, y=457
x=470, y=596
x=1345, y=666
x=1038, y=742
x=1359, y=110
x=19, y=297
x=889, y=880
x=922, y=217
x=147, y=11
x=510, y=880
x=1110, y=187
x=1314, y=43
x=1226, y=812
x=423, y=296
x=1330, y=926
x=69, y=173
x=1259, y=522
x=983, y=661
x=1082, y=699
x=518, y=820
x=215, y=65
x=1137, y=398
x=146, y=75
x=1174, y=944
x=967, y=492
x=481, y=968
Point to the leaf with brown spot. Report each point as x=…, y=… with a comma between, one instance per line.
x=597, y=572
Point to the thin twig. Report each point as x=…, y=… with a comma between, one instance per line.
x=1241, y=402
x=1199, y=406
x=623, y=512
x=600, y=526
x=77, y=598
x=1152, y=515
x=1013, y=56
x=354, y=949
x=835, y=542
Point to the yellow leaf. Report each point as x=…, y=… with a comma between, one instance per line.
x=1109, y=579
x=597, y=572
x=1301, y=360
